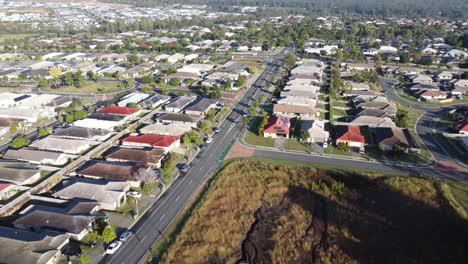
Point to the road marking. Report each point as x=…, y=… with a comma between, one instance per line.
x=177, y=198
x=162, y=216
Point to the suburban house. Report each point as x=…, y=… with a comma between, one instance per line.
x=37, y=156
x=444, y=76
x=155, y=101
x=166, y=128
x=349, y=135
x=76, y=219
x=164, y=142
x=373, y=121
x=432, y=95
x=134, y=97
x=316, y=129
x=294, y=110
x=129, y=172
x=277, y=126
x=201, y=107
x=177, y=118
x=179, y=103
x=85, y=133
x=388, y=138
x=65, y=145
x=120, y=110
x=19, y=173
x=152, y=156
x=459, y=90
x=421, y=79
x=22, y=246
x=375, y=113
x=432, y=86
x=109, y=194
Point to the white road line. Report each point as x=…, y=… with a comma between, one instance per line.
x=162, y=216
x=177, y=198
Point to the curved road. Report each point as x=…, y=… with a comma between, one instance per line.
x=425, y=129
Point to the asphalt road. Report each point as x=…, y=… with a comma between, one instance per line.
x=425, y=124
x=149, y=227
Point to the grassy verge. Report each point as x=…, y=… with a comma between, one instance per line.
x=90, y=87
x=253, y=139
x=285, y=211
x=332, y=150
x=292, y=144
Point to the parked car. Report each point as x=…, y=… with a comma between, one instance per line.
x=125, y=236
x=185, y=168
x=113, y=247
x=134, y=194
x=362, y=150
x=209, y=140
x=217, y=129
x=325, y=145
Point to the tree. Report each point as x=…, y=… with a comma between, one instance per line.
x=165, y=90
x=171, y=70
x=55, y=72
x=262, y=124
x=227, y=84
x=203, y=125
x=251, y=111
x=14, y=127
x=289, y=61
x=19, y=142
x=147, y=89
x=69, y=118
x=44, y=131
x=343, y=147
x=80, y=114
x=68, y=79
x=133, y=105
x=304, y=135
x=108, y=234
x=43, y=83
x=240, y=81
x=402, y=118
x=174, y=82
x=147, y=79
x=253, y=69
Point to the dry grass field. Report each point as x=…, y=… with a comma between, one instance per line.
x=260, y=212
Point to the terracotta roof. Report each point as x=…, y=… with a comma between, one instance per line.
x=153, y=140
x=349, y=134
x=118, y=110
x=277, y=125
x=462, y=125
x=3, y=186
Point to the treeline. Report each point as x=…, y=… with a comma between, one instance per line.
x=452, y=8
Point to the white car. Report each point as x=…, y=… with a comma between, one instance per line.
x=209, y=140
x=217, y=129
x=134, y=194
x=325, y=145
x=125, y=236
x=113, y=247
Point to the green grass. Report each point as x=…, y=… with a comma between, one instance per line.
x=253, y=139
x=374, y=152
x=453, y=147
x=14, y=36
x=90, y=87
x=408, y=97
x=292, y=144
x=459, y=192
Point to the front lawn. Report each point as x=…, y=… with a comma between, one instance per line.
x=293, y=144
x=91, y=87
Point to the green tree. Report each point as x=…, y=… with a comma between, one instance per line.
x=165, y=90
x=174, y=82
x=43, y=83
x=304, y=135
x=262, y=124
x=44, y=131
x=240, y=81
x=227, y=84
x=79, y=114
x=19, y=142
x=203, y=125
x=402, y=118
x=289, y=61
x=343, y=147
x=14, y=127
x=55, y=72
x=147, y=79
x=108, y=234
x=69, y=118
x=133, y=105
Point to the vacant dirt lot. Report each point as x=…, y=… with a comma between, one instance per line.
x=264, y=213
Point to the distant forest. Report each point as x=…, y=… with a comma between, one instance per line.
x=406, y=8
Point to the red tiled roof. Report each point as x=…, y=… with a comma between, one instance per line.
x=277, y=125
x=153, y=140
x=350, y=134
x=3, y=186
x=463, y=125
x=118, y=110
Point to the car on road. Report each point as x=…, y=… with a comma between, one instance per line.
x=185, y=167
x=209, y=140
x=125, y=236
x=134, y=194
x=113, y=247
x=218, y=129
